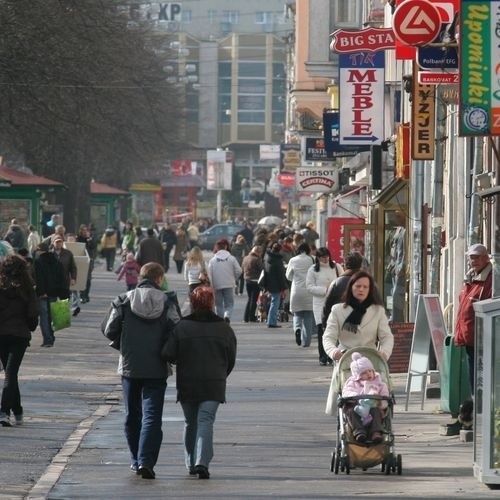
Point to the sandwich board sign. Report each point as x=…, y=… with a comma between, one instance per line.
x=429, y=329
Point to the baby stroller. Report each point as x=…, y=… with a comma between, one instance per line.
x=349, y=453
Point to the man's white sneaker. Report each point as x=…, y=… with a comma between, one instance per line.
x=4, y=420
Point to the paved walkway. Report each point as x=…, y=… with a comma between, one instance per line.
x=272, y=439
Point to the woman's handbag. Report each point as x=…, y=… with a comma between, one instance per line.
x=203, y=277
x=60, y=313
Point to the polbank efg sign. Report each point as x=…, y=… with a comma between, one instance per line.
x=317, y=179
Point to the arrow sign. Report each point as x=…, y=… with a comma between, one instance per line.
x=360, y=138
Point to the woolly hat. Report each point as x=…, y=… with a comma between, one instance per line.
x=359, y=365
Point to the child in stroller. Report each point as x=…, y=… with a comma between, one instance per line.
x=364, y=408
x=365, y=417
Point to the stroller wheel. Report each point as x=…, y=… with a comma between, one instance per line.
x=347, y=466
x=332, y=463
x=399, y=464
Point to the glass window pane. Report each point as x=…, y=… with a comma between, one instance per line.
x=251, y=117
x=252, y=69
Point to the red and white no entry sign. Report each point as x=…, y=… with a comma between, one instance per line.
x=416, y=22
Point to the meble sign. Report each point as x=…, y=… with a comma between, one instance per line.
x=361, y=84
x=316, y=179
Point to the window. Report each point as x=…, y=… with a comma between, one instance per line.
x=346, y=13
x=231, y=16
x=212, y=15
x=263, y=17
x=186, y=16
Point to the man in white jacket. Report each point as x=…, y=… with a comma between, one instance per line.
x=223, y=271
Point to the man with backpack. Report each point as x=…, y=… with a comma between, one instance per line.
x=139, y=323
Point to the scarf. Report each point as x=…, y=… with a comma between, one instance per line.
x=358, y=311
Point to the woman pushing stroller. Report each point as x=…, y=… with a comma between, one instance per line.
x=365, y=416
x=360, y=321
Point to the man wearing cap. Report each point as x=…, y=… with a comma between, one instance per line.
x=477, y=286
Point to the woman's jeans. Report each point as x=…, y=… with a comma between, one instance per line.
x=304, y=321
x=253, y=290
x=143, y=399
x=224, y=302
x=11, y=354
x=274, y=306
x=198, y=432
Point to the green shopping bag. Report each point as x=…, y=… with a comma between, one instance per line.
x=60, y=313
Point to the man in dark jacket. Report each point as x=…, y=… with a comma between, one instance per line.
x=51, y=283
x=139, y=323
x=168, y=240
x=352, y=264
x=275, y=282
x=150, y=249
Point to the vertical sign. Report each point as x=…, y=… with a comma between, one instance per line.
x=480, y=68
x=423, y=119
x=361, y=98
x=219, y=170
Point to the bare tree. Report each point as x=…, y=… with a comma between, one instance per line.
x=83, y=95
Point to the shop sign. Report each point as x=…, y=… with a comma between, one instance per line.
x=440, y=57
x=438, y=77
x=317, y=179
x=480, y=68
x=335, y=232
x=314, y=149
x=331, y=125
x=289, y=157
x=269, y=152
x=369, y=40
x=423, y=117
x=403, y=151
x=361, y=84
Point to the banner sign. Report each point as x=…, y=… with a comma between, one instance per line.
x=219, y=170
x=317, y=179
x=480, y=68
x=423, y=120
x=331, y=125
x=289, y=157
x=361, y=84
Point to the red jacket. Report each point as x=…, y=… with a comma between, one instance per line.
x=476, y=288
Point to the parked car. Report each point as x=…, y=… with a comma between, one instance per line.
x=217, y=232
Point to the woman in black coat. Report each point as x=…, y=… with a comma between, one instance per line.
x=18, y=317
x=203, y=346
x=275, y=282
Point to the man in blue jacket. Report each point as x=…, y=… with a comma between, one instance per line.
x=139, y=323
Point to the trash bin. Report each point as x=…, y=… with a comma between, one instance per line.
x=455, y=387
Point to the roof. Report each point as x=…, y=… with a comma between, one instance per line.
x=18, y=178
x=98, y=188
